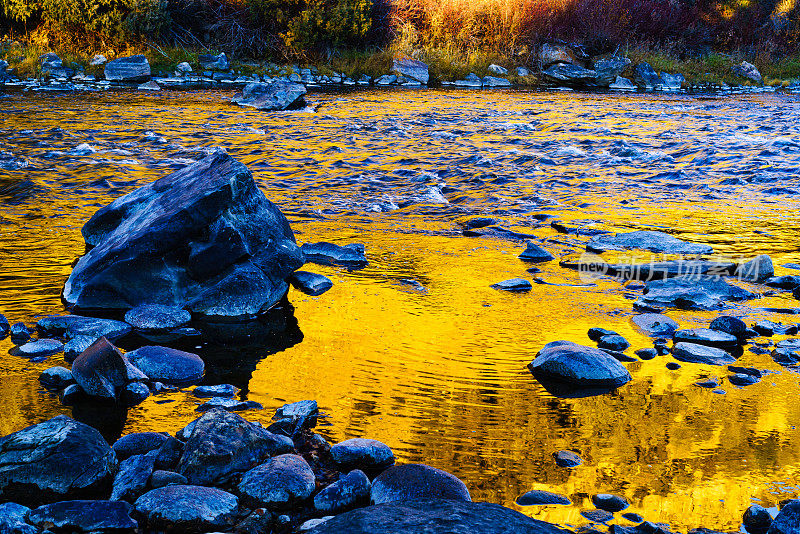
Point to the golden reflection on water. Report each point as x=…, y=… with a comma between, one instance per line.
x=440, y=375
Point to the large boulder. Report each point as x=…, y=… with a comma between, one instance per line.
x=569, y=74
x=187, y=509
x=788, y=519
x=274, y=96
x=223, y=445
x=551, y=54
x=693, y=292
x=578, y=366
x=53, y=461
x=101, y=370
x=647, y=78
x=417, y=481
x=279, y=483
x=133, y=69
x=204, y=238
x=654, y=241
x=12, y=519
x=429, y=516
x=411, y=68
x=85, y=516
x=609, y=69
x=747, y=70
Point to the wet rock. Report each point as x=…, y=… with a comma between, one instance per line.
x=788, y=519
x=310, y=283
x=386, y=79
x=187, y=509
x=157, y=318
x=101, y=370
x=706, y=336
x=5, y=328
x=693, y=353
x=138, y=443
x=609, y=503
x=149, y=86
x=417, y=481
x=535, y=254
x=353, y=489
x=758, y=269
x=752, y=371
x=747, y=70
x=84, y=516
x=632, y=517
x=796, y=293
x=159, y=479
x=19, y=332
x=658, y=242
x=75, y=346
x=622, y=84
x=494, y=81
x=707, y=384
x=362, y=453
x=273, y=96
x=278, y=483
x=551, y=54
x=578, y=365
x=169, y=454
x=223, y=445
x=515, y=285
x=702, y=293
x=770, y=328
x=259, y=521
x=655, y=324
x=239, y=247
x=72, y=326
x=787, y=352
x=134, y=393
x=435, y=515
x=730, y=325
x=132, y=477
x=742, y=379
x=221, y=390
x=646, y=353
x=784, y=282
x=133, y=69
x=56, y=378
x=40, y=347
x=71, y=395
x=567, y=459
x=231, y=405
x=613, y=342
x=411, y=68
x=673, y=366
x=323, y=253
x=569, y=74
x=596, y=333
x=756, y=519
x=291, y=418
x=12, y=519
x=647, y=78
x=541, y=497
x=597, y=516
x=171, y=366
x=55, y=460
x=609, y=69
x=214, y=62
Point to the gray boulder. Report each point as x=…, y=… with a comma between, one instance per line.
x=101, y=370
x=212, y=62
x=609, y=69
x=552, y=54
x=362, y=453
x=609, y=503
x=694, y=353
x=654, y=241
x=53, y=461
x=159, y=479
x=699, y=292
x=274, y=96
x=417, y=481
x=569, y=74
x=231, y=258
x=730, y=325
x=411, y=68
x=12, y=519
x=748, y=71
x=167, y=365
x=279, y=483
x=647, y=78
x=220, y=390
x=759, y=269
x=349, y=491
x=133, y=69
x=579, y=366
x=756, y=519
x=75, y=346
x=655, y=324
x=470, y=80
x=84, y=516
x=187, y=509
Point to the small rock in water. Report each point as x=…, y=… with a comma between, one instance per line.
x=579, y=366
x=134, y=393
x=729, y=325
x=323, y=253
x=19, y=332
x=149, y=86
x=567, y=459
x=221, y=390
x=417, y=481
x=706, y=336
x=698, y=292
x=84, y=516
x=40, y=347
x=708, y=384
x=362, y=453
x=596, y=333
x=157, y=318
x=694, y=353
x=613, y=342
x=349, y=491
x=673, y=366
x=541, y=497
x=597, y=516
x=655, y=324
x=784, y=282
x=632, y=517
x=56, y=378
x=71, y=395
x=535, y=254
x=609, y=503
x=758, y=269
x=646, y=353
x=168, y=365
x=770, y=328
x=752, y=371
x=231, y=405
x=742, y=379
x=278, y=483
x=72, y=326
x=756, y=519
x=159, y=479
x=101, y=370
x=133, y=69
x=310, y=283
x=516, y=285
x=187, y=509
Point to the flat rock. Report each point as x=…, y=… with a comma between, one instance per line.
x=578, y=366
x=40, y=347
x=187, y=509
x=514, y=285
x=274, y=96
x=53, y=461
x=542, y=498
x=85, y=516
x=595, y=333
x=569, y=74
x=743, y=379
x=133, y=69
x=533, y=253
x=221, y=390
x=351, y=490
x=310, y=283
x=325, y=253
x=693, y=353
x=658, y=242
x=655, y=324
x=435, y=516
x=230, y=259
x=703, y=293
x=362, y=453
x=72, y=326
x=597, y=516
x=706, y=336
x=231, y=405
x=416, y=481
x=12, y=519
x=138, y=443
x=168, y=365
x=156, y=318
x=787, y=352
x=279, y=483
x=788, y=282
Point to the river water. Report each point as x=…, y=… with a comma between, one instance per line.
x=439, y=373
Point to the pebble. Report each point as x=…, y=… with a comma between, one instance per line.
x=40, y=347
x=646, y=353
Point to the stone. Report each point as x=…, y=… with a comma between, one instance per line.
x=788, y=519
x=416, y=481
x=613, y=342
x=222, y=445
x=470, y=80
x=40, y=347
x=183, y=68
x=273, y=96
x=75, y=346
x=533, y=253
x=187, y=509
x=362, y=453
x=134, y=393
x=647, y=78
x=167, y=365
x=569, y=74
x=748, y=71
x=609, y=69
x=743, y=379
x=597, y=516
x=132, y=477
x=329, y=254
x=655, y=324
x=609, y=503
x=351, y=490
x=695, y=293
x=157, y=318
x=646, y=353
x=515, y=285
x=138, y=443
x=97, y=60
x=159, y=479
x=101, y=370
x=550, y=54
x=71, y=395
x=693, y=353
x=672, y=82
x=386, y=79
x=595, y=333
x=784, y=282
x=756, y=519
x=56, y=460
x=133, y=69
x=19, y=332
x=653, y=241
x=212, y=62
x=169, y=454
x=5, y=327
x=673, y=366
x=769, y=328
x=706, y=336
x=12, y=519
x=411, y=68
x=567, y=459
x=730, y=325
x=310, y=283
x=423, y=516
x=149, y=86
x=84, y=516
x=221, y=390
x=759, y=269
x=279, y=483
x=497, y=69
x=578, y=366
x=231, y=405
x=240, y=248
x=56, y=378
x=494, y=81
x=541, y=497
x=73, y=326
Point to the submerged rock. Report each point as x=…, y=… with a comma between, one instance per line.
x=655, y=324
x=187, y=509
x=578, y=366
x=701, y=293
x=85, y=516
x=535, y=254
x=658, y=242
x=167, y=365
x=278, y=483
x=323, y=253
x=541, y=497
x=567, y=459
x=133, y=69
x=56, y=460
x=310, y=283
x=516, y=285
x=350, y=490
x=417, y=481
x=230, y=259
x=274, y=96
x=231, y=405
x=693, y=353
x=706, y=336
